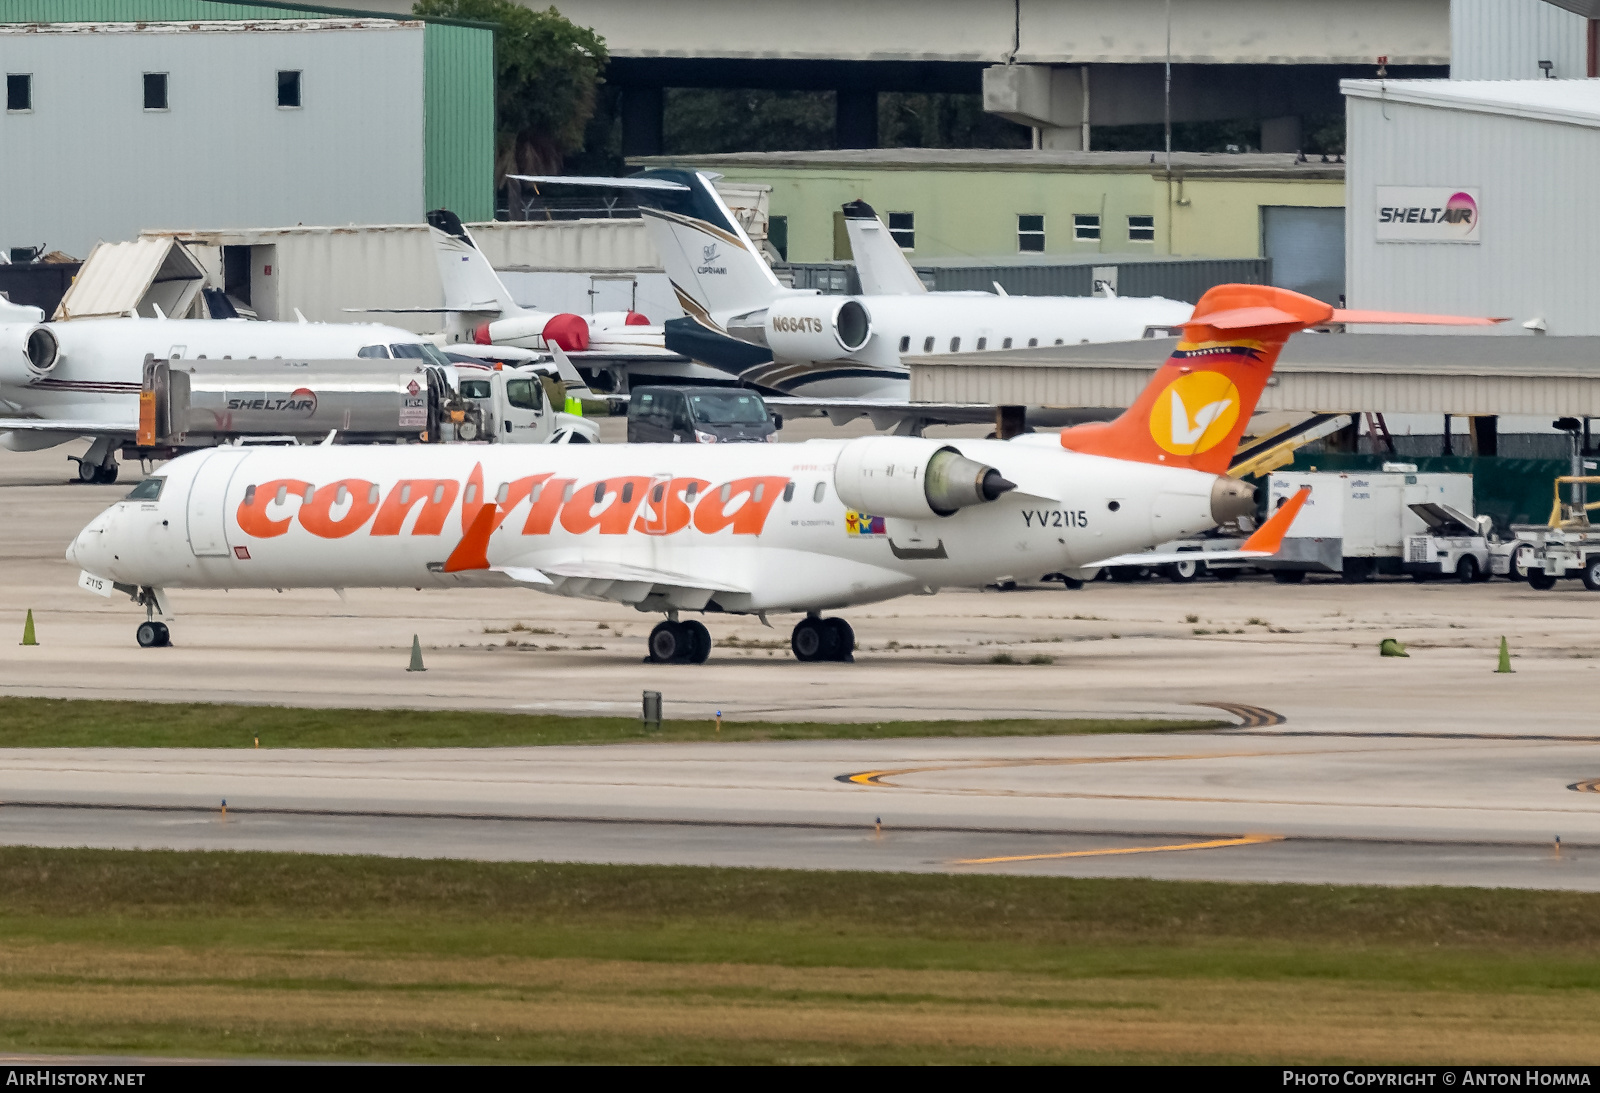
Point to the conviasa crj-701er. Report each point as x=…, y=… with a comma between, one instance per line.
x=747, y=529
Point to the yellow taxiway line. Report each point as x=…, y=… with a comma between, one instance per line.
x=1245, y=840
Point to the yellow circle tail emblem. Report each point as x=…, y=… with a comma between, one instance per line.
x=1195, y=413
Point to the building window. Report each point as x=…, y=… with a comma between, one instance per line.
x=289, y=90
x=1086, y=228
x=1141, y=229
x=1030, y=233
x=927, y=345
x=905, y=343
x=903, y=230
x=155, y=91
x=19, y=92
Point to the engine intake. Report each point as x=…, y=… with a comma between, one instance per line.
x=817, y=328
x=912, y=478
x=41, y=350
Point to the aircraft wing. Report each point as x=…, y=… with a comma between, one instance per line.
x=63, y=425
x=1264, y=543
x=620, y=571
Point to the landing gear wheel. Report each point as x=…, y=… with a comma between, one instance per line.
x=105, y=476
x=698, y=641
x=844, y=640
x=153, y=635
x=1182, y=572
x=670, y=643
x=1591, y=574
x=88, y=472
x=1540, y=580
x=1467, y=570
x=1288, y=576
x=810, y=640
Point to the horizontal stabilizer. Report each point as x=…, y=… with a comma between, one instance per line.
x=600, y=180
x=1344, y=315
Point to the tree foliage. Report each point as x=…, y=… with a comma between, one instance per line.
x=546, y=73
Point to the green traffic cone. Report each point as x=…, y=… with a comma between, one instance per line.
x=416, y=655
x=1391, y=648
x=1505, y=657
x=27, y=630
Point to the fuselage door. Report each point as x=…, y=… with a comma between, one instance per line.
x=208, y=509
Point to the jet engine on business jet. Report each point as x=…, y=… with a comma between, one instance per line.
x=912, y=478
x=816, y=328
x=27, y=352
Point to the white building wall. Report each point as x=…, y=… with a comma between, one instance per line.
x=1506, y=40
x=90, y=163
x=1539, y=223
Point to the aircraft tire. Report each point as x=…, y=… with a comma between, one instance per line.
x=698, y=641
x=813, y=639
x=844, y=640
x=88, y=472
x=149, y=635
x=669, y=644
x=105, y=476
x=1229, y=574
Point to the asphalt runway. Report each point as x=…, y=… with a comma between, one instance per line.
x=1428, y=769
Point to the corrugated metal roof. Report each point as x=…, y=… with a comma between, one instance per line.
x=1343, y=373
x=1570, y=102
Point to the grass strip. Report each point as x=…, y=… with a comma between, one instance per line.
x=127, y=952
x=84, y=723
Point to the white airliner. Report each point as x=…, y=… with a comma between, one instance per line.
x=742, y=321
x=63, y=381
x=747, y=529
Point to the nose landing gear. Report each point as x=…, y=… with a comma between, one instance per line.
x=153, y=635
x=823, y=639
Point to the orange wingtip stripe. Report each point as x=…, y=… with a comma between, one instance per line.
x=1268, y=538
x=472, y=552
x=1345, y=315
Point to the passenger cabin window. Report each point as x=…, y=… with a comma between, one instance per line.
x=983, y=343
x=905, y=343
x=1030, y=233
x=1141, y=229
x=19, y=92
x=1086, y=228
x=148, y=490
x=955, y=345
x=289, y=90
x=155, y=91
x=524, y=394
x=788, y=492
x=1006, y=344
x=927, y=345
x=819, y=493
x=903, y=230
x=372, y=351
x=1032, y=342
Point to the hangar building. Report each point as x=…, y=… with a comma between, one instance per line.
x=124, y=115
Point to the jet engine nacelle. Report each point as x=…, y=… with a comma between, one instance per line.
x=912, y=478
x=28, y=351
x=537, y=330
x=817, y=328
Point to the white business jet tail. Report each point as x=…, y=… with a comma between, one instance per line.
x=470, y=283
x=715, y=269
x=880, y=263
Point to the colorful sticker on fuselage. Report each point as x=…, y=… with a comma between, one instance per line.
x=860, y=525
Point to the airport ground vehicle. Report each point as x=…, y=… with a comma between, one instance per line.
x=698, y=415
x=1568, y=546
x=752, y=530
x=1357, y=524
x=1455, y=544
x=186, y=404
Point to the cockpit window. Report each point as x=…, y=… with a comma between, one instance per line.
x=148, y=490
x=373, y=351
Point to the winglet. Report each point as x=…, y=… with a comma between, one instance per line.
x=472, y=552
x=1268, y=538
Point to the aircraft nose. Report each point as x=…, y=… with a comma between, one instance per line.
x=88, y=550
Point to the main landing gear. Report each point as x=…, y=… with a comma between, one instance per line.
x=98, y=465
x=674, y=642
x=823, y=639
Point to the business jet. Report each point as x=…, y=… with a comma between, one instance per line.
x=746, y=529
x=63, y=381
x=742, y=321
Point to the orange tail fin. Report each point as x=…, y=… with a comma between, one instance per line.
x=1196, y=407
